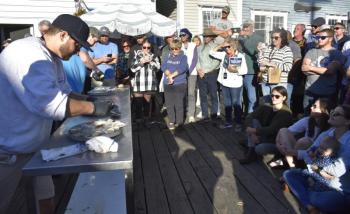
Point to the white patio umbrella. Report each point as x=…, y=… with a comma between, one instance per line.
x=130, y=19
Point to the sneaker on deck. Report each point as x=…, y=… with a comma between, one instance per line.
x=191, y=119
x=225, y=126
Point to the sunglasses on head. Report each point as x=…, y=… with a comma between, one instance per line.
x=175, y=49
x=146, y=47
x=322, y=37
x=275, y=96
x=275, y=37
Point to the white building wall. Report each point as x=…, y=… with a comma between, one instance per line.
x=33, y=11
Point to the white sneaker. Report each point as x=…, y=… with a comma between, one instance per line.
x=191, y=119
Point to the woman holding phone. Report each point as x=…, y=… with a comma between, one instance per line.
x=144, y=83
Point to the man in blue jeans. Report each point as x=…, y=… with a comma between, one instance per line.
x=249, y=42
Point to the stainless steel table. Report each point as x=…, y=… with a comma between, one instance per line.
x=90, y=161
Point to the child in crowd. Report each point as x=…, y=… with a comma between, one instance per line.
x=319, y=171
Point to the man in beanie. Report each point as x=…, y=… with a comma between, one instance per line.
x=315, y=29
x=222, y=27
x=34, y=94
x=190, y=50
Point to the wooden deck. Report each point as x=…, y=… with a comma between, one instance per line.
x=196, y=170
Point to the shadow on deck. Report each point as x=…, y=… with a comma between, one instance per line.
x=196, y=170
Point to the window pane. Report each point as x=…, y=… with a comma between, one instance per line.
x=277, y=22
x=209, y=16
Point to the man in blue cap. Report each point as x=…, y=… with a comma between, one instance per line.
x=34, y=93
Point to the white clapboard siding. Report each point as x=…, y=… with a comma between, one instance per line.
x=33, y=11
x=193, y=12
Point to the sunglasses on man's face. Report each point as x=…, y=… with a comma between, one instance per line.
x=322, y=37
x=146, y=47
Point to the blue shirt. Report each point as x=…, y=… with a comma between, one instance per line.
x=101, y=50
x=76, y=72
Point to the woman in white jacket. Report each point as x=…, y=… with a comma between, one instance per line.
x=232, y=68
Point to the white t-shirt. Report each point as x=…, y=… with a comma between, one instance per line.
x=233, y=80
x=33, y=92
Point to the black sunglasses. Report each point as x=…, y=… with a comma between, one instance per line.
x=226, y=47
x=337, y=28
x=182, y=34
x=146, y=47
x=275, y=96
x=322, y=37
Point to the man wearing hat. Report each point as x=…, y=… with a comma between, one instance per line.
x=207, y=69
x=315, y=28
x=339, y=36
x=222, y=27
x=105, y=55
x=34, y=94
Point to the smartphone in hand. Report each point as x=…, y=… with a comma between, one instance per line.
x=109, y=55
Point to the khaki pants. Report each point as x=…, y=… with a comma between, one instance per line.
x=10, y=176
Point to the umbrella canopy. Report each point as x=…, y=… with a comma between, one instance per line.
x=130, y=19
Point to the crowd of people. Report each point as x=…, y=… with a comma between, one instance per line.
x=264, y=89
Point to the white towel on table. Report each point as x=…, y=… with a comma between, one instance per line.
x=102, y=144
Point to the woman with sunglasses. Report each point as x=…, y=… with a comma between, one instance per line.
x=144, y=83
x=311, y=125
x=335, y=200
x=175, y=67
x=232, y=68
x=264, y=123
x=122, y=65
x=277, y=56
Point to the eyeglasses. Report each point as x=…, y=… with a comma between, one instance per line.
x=226, y=47
x=126, y=46
x=182, y=34
x=175, y=49
x=322, y=37
x=336, y=114
x=146, y=47
x=337, y=28
x=275, y=37
x=76, y=43
x=275, y=96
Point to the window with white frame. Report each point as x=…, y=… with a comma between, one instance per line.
x=266, y=21
x=332, y=19
x=208, y=15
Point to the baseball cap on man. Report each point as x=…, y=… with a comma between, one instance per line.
x=75, y=27
x=104, y=31
x=318, y=22
x=226, y=9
